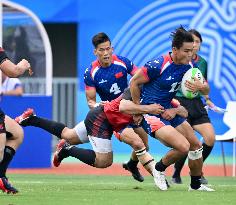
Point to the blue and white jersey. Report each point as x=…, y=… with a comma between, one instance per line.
x=164, y=80
x=109, y=82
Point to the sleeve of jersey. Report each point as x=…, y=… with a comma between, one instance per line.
x=88, y=81
x=3, y=55
x=152, y=69
x=131, y=68
x=126, y=94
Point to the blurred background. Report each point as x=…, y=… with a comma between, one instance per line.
x=55, y=36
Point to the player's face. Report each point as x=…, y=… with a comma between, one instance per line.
x=184, y=54
x=196, y=44
x=104, y=53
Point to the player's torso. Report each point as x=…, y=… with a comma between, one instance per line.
x=162, y=89
x=202, y=65
x=110, y=82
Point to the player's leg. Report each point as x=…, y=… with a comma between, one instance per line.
x=29, y=118
x=100, y=157
x=136, y=141
x=206, y=130
x=195, y=157
x=170, y=137
x=128, y=136
x=2, y=134
x=99, y=132
x=14, y=139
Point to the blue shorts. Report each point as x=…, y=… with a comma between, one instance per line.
x=152, y=123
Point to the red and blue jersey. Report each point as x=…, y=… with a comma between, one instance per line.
x=111, y=81
x=164, y=80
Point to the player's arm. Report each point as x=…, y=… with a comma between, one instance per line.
x=128, y=107
x=91, y=97
x=169, y=114
x=136, y=81
x=18, y=91
x=14, y=70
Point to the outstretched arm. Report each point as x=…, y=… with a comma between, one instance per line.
x=169, y=114
x=128, y=107
x=14, y=70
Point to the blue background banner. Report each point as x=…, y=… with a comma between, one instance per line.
x=140, y=30
x=35, y=151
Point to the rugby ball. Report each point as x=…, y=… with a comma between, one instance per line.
x=189, y=75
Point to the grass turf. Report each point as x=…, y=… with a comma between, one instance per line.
x=114, y=190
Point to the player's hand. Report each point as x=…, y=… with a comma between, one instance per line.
x=169, y=114
x=155, y=109
x=137, y=119
x=209, y=103
x=24, y=66
x=194, y=86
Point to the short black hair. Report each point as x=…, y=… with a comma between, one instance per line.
x=100, y=38
x=196, y=33
x=179, y=36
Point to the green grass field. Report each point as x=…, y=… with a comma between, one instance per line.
x=114, y=190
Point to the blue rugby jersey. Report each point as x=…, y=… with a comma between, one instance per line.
x=164, y=80
x=111, y=81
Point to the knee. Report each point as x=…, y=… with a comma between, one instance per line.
x=184, y=148
x=18, y=136
x=68, y=135
x=210, y=140
x=137, y=144
x=103, y=162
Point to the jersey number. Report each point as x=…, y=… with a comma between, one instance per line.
x=174, y=87
x=115, y=89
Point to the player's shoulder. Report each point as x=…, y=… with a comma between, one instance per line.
x=202, y=59
x=91, y=67
x=15, y=80
x=118, y=57
x=155, y=63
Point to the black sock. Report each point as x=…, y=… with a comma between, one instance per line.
x=132, y=163
x=195, y=182
x=179, y=166
x=206, y=151
x=160, y=166
x=85, y=155
x=52, y=127
x=9, y=153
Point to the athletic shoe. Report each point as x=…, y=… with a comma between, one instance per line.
x=160, y=180
x=176, y=180
x=168, y=184
x=201, y=188
x=5, y=186
x=22, y=119
x=134, y=171
x=59, y=155
x=203, y=180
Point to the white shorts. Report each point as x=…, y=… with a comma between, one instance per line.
x=100, y=145
x=81, y=132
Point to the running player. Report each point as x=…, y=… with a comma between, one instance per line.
x=160, y=80
x=100, y=123
x=197, y=117
x=11, y=134
x=108, y=76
